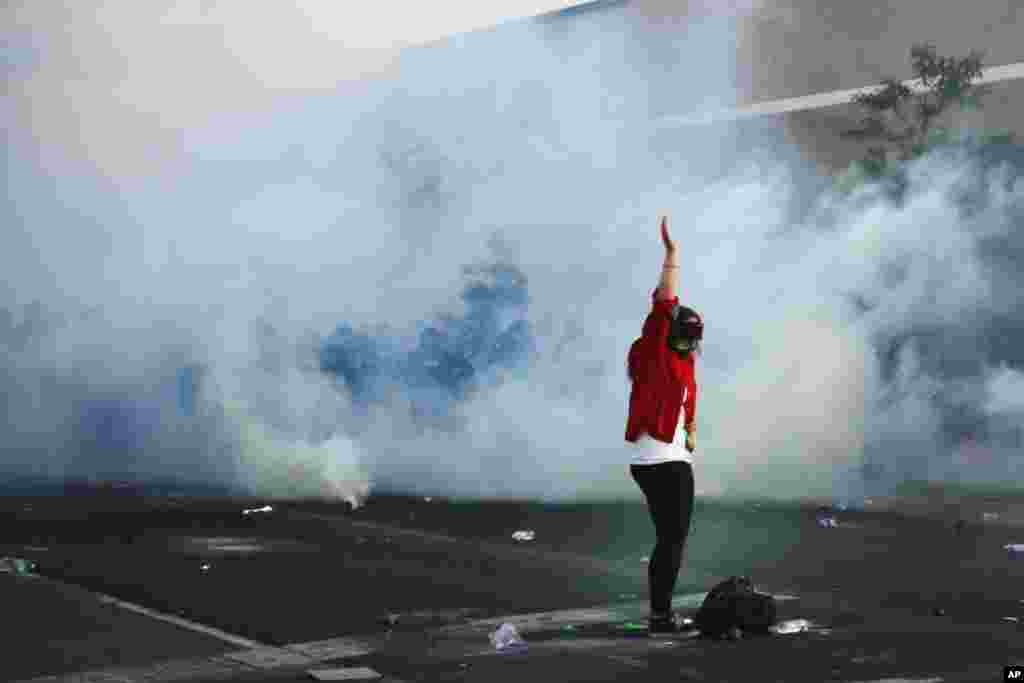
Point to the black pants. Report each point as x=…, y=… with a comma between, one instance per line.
x=668, y=487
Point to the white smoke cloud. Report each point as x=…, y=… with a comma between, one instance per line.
x=536, y=146
x=1006, y=391
x=119, y=87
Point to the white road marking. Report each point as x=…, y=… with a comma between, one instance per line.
x=238, y=641
x=269, y=658
x=334, y=648
x=592, y=615
x=994, y=74
x=360, y=673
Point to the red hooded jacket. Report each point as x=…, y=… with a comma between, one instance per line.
x=660, y=377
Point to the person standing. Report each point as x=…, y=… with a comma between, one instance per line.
x=662, y=407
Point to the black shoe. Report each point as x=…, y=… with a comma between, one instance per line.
x=667, y=623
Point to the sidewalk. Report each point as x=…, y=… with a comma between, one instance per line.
x=842, y=643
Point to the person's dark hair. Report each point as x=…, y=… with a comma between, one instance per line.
x=686, y=325
x=686, y=331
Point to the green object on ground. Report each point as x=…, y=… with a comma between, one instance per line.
x=16, y=565
x=634, y=626
x=569, y=627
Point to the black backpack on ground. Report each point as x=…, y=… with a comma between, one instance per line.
x=734, y=603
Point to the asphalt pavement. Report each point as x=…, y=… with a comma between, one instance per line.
x=883, y=596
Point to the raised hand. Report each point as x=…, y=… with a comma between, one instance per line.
x=670, y=246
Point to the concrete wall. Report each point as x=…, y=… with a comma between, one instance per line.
x=799, y=47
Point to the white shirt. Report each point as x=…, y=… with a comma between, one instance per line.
x=649, y=451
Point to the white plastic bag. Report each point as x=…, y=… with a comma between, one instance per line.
x=792, y=626
x=506, y=636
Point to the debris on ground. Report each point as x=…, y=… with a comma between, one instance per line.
x=354, y=673
x=827, y=522
x=1013, y=619
x=507, y=637
x=1014, y=549
x=791, y=626
x=204, y=567
x=427, y=499
x=990, y=516
x=264, y=509
x=16, y=565
x=524, y=535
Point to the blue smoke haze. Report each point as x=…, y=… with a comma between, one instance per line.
x=452, y=355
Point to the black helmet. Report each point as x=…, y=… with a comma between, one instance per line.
x=686, y=330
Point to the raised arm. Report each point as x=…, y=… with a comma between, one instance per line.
x=669, y=282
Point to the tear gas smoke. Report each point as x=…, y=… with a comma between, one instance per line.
x=431, y=286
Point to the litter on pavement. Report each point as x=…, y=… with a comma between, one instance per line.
x=524, y=535
x=265, y=508
x=16, y=565
x=791, y=626
x=507, y=637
